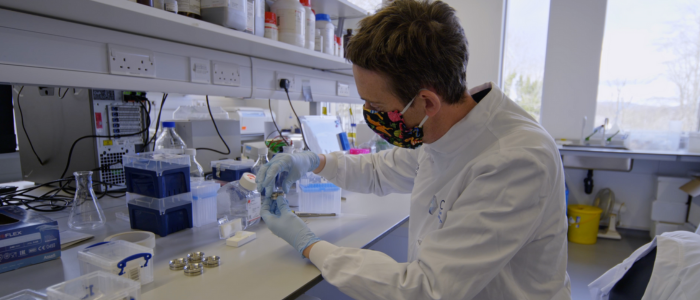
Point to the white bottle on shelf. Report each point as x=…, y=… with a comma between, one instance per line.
x=271, y=26
x=291, y=22
x=170, y=5
x=310, y=24
x=323, y=22
x=230, y=13
x=318, y=44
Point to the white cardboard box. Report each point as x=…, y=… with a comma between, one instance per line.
x=658, y=228
x=668, y=189
x=669, y=212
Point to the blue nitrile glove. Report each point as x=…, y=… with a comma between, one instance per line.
x=286, y=225
x=295, y=164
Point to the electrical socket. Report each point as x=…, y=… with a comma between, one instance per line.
x=225, y=74
x=200, y=71
x=281, y=75
x=131, y=61
x=343, y=89
x=46, y=91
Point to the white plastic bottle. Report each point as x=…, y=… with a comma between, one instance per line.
x=318, y=44
x=323, y=22
x=250, y=17
x=169, y=141
x=196, y=170
x=240, y=199
x=291, y=23
x=262, y=159
x=271, y=26
x=260, y=17
x=170, y=5
x=229, y=13
x=310, y=25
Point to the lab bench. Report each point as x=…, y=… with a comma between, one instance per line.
x=266, y=268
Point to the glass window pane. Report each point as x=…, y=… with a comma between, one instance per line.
x=524, y=52
x=650, y=65
x=368, y=5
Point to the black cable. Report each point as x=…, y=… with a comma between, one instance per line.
x=217, y=132
x=306, y=146
x=50, y=199
x=162, y=102
x=148, y=119
x=64, y=94
x=272, y=115
x=21, y=117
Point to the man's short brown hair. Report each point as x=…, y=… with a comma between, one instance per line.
x=416, y=44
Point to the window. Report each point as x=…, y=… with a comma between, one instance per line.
x=368, y=5
x=650, y=65
x=524, y=52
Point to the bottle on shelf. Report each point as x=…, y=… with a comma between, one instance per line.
x=170, y=5
x=291, y=21
x=346, y=39
x=271, y=26
x=196, y=170
x=231, y=13
x=169, y=141
x=262, y=159
x=144, y=2
x=310, y=25
x=190, y=8
x=260, y=17
x=338, y=47
x=250, y=17
x=158, y=4
x=323, y=22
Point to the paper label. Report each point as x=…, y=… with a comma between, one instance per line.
x=171, y=7
x=189, y=6
x=233, y=4
x=253, y=207
x=290, y=21
x=271, y=32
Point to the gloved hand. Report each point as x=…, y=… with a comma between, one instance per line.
x=295, y=164
x=286, y=225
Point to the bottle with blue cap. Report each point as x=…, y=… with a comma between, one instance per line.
x=169, y=141
x=324, y=23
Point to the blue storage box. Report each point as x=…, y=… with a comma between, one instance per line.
x=229, y=169
x=26, y=238
x=157, y=175
x=161, y=216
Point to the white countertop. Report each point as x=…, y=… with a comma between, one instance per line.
x=266, y=268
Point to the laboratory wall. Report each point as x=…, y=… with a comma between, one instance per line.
x=637, y=189
x=572, y=64
x=483, y=23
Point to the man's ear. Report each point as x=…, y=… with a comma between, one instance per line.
x=432, y=102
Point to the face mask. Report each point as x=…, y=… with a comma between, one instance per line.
x=392, y=128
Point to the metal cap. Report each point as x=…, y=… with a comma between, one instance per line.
x=194, y=269
x=178, y=264
x=211, y=261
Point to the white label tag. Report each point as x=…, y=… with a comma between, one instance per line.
x=250, y=26
x=233, y=4
x=253, y=207
x=189, y=6
x=290, y=21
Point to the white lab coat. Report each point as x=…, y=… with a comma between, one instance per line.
x=676, y=273
x=498, y=230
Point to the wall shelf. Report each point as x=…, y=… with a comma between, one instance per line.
x=633, y=154
x=134, y=18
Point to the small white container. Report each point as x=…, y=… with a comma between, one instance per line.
x=230, y=13
x=291, y=21
x=96, y=285
x=121, y=258
x=271, y=31
x=25, y=295
x=323, y=22
x=203, y=202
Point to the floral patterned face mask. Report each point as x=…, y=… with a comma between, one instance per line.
x=391, y=127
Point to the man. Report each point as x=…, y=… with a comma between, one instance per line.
x=487, y=185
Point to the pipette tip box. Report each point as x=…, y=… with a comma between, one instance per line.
x=96, y=285
x=204, y=202
x=319, y=198
x=26, y=238
x=161, y=216
x=157, y=175
x=230, y=170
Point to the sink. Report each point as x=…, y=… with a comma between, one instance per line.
x=598, y=146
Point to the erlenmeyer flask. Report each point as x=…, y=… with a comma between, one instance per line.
x=86, y=212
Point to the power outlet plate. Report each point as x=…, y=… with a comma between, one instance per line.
x=225, y=74
x=200, y=70
x=282, y=75
x=343, y=89
x=131, y=61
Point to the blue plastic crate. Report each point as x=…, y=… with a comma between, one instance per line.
x=157, y=175
x=229, y=175
x=229, y=169
x=161, y=216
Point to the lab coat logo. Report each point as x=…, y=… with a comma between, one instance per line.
x=441, y=215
